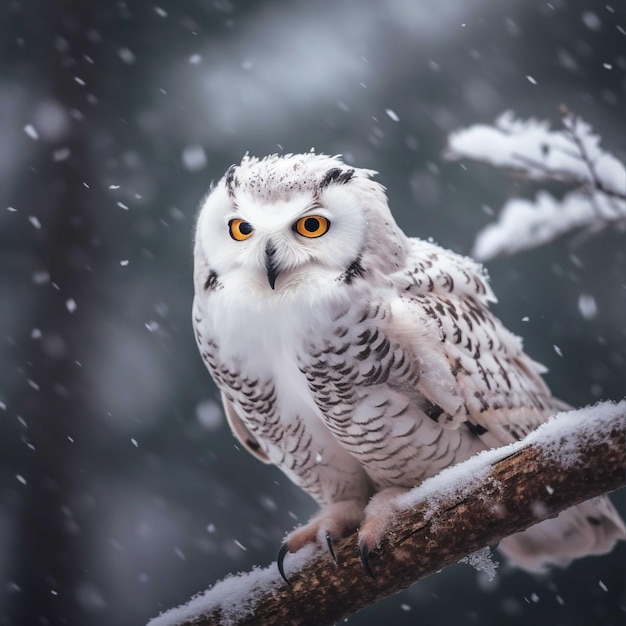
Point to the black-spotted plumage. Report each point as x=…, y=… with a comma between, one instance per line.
x=358, y=360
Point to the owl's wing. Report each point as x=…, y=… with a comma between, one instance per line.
x=242, y=433
x=473, y=370
x=207, y=348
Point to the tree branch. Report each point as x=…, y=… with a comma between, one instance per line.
x=574, y=457
x=532, y=151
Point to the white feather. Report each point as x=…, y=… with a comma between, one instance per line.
x=359, y=359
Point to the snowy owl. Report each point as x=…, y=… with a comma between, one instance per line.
x=358, y=360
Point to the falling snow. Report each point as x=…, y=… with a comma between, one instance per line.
x=591, y=21
x=30, y=130
x=194, y=158
x=61, y=155
x=209, y=414
x=41, y=277
x=126, y=55
x=587, y=306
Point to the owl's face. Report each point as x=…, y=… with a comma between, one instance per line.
x=282, y=222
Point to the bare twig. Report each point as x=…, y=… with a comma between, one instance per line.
x=578, y=455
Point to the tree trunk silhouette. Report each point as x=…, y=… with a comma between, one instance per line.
x=50, y=394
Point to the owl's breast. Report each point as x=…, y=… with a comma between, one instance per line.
x=264, y=336
x=253, y=351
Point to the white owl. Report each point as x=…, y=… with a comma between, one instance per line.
x=358, y=360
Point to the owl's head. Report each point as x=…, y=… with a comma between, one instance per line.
x=282, y=221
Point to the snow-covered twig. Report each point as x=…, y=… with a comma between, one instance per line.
x=575, y=456
x=533, y=151
x=527, y=224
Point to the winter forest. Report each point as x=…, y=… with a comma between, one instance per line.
x=497, y=130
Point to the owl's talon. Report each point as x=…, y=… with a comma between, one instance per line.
x=364, y=554
x=284, y=548
x=329, y=543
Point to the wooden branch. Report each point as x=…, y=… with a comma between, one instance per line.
x=574, y=457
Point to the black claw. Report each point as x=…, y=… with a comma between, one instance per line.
x=284, y=548
x=364, y=553
x=329, y=543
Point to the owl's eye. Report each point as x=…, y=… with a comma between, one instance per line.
x=312, y=226
x=239, y=229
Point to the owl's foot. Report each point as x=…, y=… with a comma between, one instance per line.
x=330, y=524
x=379, y=514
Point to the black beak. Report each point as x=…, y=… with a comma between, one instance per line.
x=271, y=267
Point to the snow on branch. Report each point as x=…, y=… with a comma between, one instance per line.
x=533, y=151
x=575, y=456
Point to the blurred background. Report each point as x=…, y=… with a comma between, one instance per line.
x=122, y=490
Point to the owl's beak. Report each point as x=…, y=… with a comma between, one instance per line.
x=271, y=267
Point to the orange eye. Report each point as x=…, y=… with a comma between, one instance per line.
x=239, y=229
x=312, y=226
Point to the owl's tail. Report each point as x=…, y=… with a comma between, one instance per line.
x=591, y=527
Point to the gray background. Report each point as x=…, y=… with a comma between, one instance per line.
x=122, y=491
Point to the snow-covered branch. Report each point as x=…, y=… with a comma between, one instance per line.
x=575, y=456
x=533, y=151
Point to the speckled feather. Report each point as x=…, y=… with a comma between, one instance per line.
x=375, y=362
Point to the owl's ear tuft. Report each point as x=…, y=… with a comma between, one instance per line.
x=231, y=181
x=336, y=175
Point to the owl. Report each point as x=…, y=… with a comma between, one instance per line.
x=358, y=360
